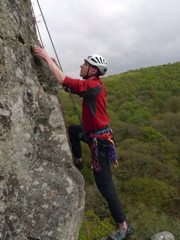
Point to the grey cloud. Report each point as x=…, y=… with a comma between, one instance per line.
x=129, y=34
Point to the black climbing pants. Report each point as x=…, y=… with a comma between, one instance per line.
x=103, y=178
x=76, y=136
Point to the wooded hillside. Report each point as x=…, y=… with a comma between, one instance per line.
x=144, y=108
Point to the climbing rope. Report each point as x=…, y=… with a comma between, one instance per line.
x=49, y=35
x=70, y=94
x=87, y=227
x=37, y=27
x=76, y=111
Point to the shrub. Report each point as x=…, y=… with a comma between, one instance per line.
x=150, y=134
x=95, y=228
x=150, y=192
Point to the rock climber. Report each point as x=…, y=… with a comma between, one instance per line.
x=94, y=130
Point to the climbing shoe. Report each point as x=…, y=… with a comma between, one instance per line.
x=121, y=234
x=78, y=164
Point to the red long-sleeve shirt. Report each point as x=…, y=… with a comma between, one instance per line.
x=93, y=91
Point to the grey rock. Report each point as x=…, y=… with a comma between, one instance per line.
x=41, y=193
x=163, y=236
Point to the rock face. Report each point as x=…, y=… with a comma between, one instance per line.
x=41, y=193
x=163, y=236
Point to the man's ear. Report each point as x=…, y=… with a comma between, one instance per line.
x=95, y=70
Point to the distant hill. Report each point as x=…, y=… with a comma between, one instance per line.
x=141, y=94
x=144, y=108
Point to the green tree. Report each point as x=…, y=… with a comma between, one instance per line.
x=150, y=134
x=150, y=192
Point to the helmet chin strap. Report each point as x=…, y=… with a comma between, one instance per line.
x=86, y=77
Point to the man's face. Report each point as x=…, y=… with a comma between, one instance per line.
x=87, y=68
x=84, y=69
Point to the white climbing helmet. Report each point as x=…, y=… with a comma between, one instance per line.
x=99, y=62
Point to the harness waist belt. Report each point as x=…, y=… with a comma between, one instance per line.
x=100, y=131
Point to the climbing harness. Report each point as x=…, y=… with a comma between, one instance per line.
x=96, y=139
x=94, y=147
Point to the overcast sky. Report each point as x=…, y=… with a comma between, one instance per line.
x=129, y=34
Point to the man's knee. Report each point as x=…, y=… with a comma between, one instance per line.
x=72, y=130
x=71, y=127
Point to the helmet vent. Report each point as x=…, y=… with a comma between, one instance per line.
x=92, y=59
x=99, y=60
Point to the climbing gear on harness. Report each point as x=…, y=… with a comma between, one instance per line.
x=94, y=154
x=99, y=62
x=106, y=135
x=113, y=159
x=95, y=143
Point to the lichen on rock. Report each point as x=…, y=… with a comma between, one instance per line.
x=42, y=194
